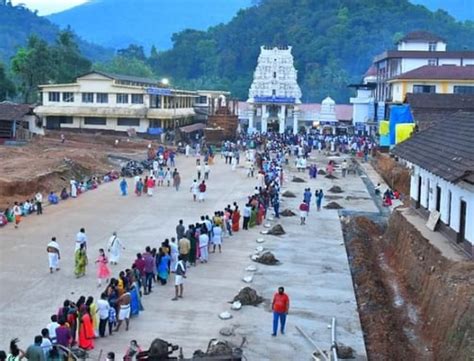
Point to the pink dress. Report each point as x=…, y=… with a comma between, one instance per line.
x=103, y=271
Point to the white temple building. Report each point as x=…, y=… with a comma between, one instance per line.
x=274, y=95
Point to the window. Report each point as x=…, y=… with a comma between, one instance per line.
x=130, y=122
x=88, y=97
x=274, y=74
x=137, y=98
x=274, y=92
x=155, y=101
x=424, y=89
x=202, y=99
x=95, y=120
x=68, y=97
x=463, y=89
x=122, y=98
x=53, y=96
x=432, y=46
x=432, y=62
x=102, y=98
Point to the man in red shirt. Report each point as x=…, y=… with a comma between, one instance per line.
x=280, y=307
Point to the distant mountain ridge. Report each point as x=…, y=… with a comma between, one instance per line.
x=118, y=23
x=17, y=23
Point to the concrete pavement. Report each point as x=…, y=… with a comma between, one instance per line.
x=314, y=268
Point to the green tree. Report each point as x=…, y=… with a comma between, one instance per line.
x=126, y=66
x=7, y=88
x=133, y=52
x=33, y=66
x=68, y=61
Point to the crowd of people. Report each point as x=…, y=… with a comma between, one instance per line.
x=14, y=213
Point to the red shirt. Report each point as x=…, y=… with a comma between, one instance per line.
x=140, y=264
x=281, y=303
x=304, y=207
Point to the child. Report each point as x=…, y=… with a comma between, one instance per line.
x=103, y=271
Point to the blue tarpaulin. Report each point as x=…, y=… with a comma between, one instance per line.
x=399, y=114
x=155, y=131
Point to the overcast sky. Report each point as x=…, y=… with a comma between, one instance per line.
x=46, y=7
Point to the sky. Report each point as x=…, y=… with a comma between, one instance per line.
x=46, y=7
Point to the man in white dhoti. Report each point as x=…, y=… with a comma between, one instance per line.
x=53, y=255
x=73, y=189
x=174, y=254
x=194, y=189
x=81, y=237
x=204, y=247
x=114, y=247
x=187, y=150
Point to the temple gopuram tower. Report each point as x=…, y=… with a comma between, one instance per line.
x=274, y=95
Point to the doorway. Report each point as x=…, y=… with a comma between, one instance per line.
x=418, y=199
x=462, y=222
x=438, y=198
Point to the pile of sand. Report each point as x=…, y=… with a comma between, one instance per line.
x=248, y=297
x=335, y=189
x=333, y=205
x=268, y=258
x=288, y=213
x=288, y=194
x=298, y=180
x=276, y=230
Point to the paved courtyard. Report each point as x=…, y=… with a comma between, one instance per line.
x=314, y=268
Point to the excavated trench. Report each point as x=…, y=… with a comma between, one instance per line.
x=414, y=304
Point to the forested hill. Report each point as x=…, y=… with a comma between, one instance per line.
x=334, y=42
x=17, y=23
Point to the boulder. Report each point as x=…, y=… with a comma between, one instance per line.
x=298, y=180
x=333, y=205
x=267, y=258
x=248, y=297
x=335, y=189
x=288, y=194
x=288, y=213
x=276, y=230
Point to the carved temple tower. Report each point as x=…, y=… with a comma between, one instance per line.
x=274, y=95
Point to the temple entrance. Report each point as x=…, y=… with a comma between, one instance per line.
x=273, y=125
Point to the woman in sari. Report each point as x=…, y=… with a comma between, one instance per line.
x=80, y=261
x=94, y=314
x=260, y=213
x=253, y=218
x=163, y=266
x=235, y=219
x=86, y=330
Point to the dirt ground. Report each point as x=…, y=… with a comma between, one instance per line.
x=395, y=175
x=45, y=164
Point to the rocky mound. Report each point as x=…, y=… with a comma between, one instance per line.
x=267, y=258
x=288, y=194
x=248, y=297
x=298, y=180
x=276, y=230
x=288, y=213
x=336, y=189
x=333, y=205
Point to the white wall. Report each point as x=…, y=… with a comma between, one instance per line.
x=450, y=213
x=420, y=46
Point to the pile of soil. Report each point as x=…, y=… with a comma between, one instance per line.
x=288, y=213
x=333, y=205
x=352, y=198
x=298, y=180
x=276, y=230
x=322, y=172
x=395, y=175
x=215, y=348
x=248, y=297
x=330, y=176
x=333, y=197
x=268, y=258
x=288, y=194
x=344, y=352
x=336, y=189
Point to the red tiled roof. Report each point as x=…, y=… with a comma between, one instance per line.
x=421, y=35
x=371, y=71
x=14, y=112
x=448, y=72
